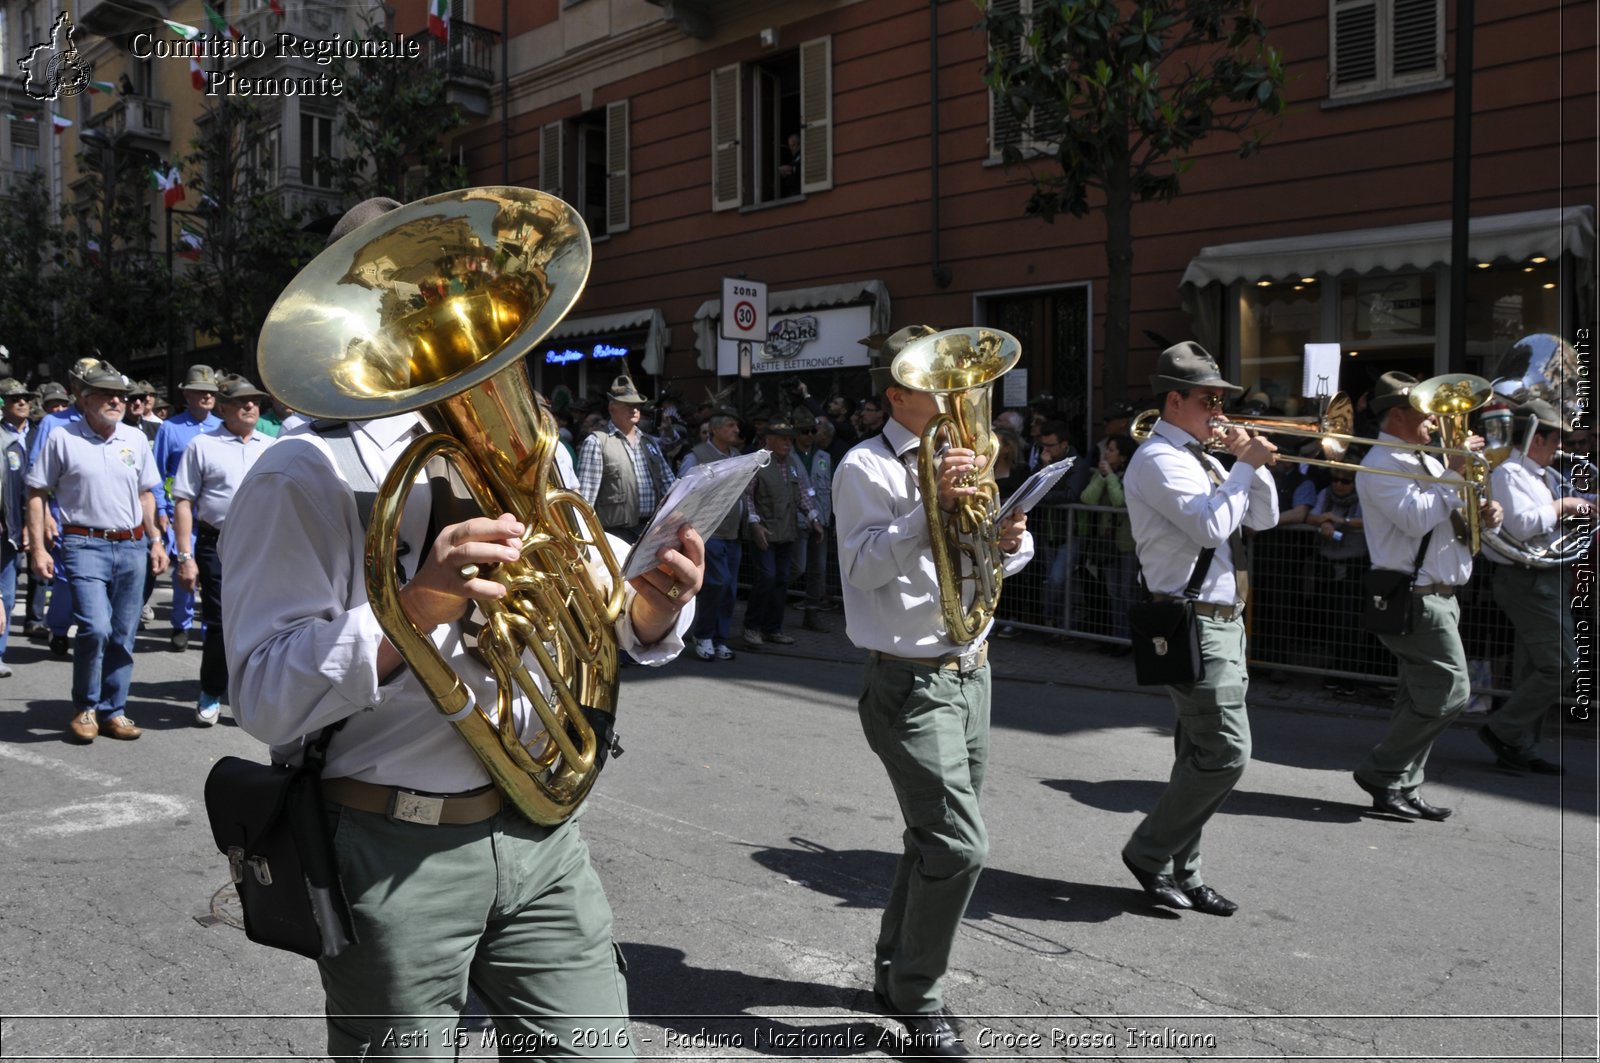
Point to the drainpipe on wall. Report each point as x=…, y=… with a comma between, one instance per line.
x=941, y=272
x=505, y=92
x=1461, y=189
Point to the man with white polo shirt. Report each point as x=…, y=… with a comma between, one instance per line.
x=213, y=465
x=103, y=477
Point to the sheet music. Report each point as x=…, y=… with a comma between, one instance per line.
x=1037, y=486
x=700, y=498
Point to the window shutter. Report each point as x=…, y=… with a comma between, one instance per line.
x=617, y=182
x=816, y=115
x=1005, y=128
x=1354, y=63
x=1418, y=40
x=727, y=176
x=550, y=160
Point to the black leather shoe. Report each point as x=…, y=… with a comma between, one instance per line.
x=1389, y=800
x=957, y=1023
x=1540, y=766
x=1160, y=888
x=1205, y=899
x=59, y=646
x=931, y=1035
x=1425, y=810
x=1505, y=754
x=180, y=639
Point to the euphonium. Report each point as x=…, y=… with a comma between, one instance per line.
x=1543, y=366
x=958, y=368
x=432, y=308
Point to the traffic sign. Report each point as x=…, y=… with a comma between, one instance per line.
x=744, y=310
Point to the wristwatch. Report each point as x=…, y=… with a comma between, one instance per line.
x=181, y=557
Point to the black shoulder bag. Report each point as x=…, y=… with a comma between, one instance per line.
x=268, y=820
x=1387, y=604
x=1166, y=634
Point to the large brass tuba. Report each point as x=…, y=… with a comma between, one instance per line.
x=958, y=368
x=432, y=308
x=1452, y=398
x=1543, y=366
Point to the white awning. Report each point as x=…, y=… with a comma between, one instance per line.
x=709, y=315
x=1417, y=246
x=655, y=344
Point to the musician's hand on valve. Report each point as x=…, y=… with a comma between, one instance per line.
x=1458, y=461
x=1492, y=513
x=956, y=468
x=1254, y=451
x=666, y=589
x=1577, y=507
x=451, y=577
x=1012, y=527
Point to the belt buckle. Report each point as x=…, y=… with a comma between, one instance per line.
x=968, y=661
x=408, y=807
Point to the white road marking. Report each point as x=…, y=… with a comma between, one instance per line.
x=59, y=767
x=113, y=811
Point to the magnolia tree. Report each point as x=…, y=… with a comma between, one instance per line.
x=1104, y=100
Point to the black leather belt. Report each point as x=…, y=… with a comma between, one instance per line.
x=414, y=806
x=1210, y=610
x=115, y=535
x=1443, y=590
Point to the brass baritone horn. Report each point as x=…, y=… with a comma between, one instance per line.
x=432, y=307
x=958, y=368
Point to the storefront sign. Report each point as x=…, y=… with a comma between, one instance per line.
x=809, y=339
x=593, y=352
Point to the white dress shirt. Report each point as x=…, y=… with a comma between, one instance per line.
x=1524, y=490
x=303, y=639
x=212, y=468
x=1398, y=512
x=1176, y=511
x=891, y=587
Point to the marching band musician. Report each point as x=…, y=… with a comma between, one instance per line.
x=1179, y=504
x=447, y=882
x=1533, y=598
x=1400, y=514
x=925, y=706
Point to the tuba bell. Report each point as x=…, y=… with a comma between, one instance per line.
x=432, y=308
x=1451, y=399
x=958, y=368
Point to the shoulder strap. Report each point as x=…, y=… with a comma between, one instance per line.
x=342, y=444
x=1422, y=551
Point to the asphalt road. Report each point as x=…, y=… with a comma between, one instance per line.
x=747, y=838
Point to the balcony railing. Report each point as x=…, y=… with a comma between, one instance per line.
x=143, y=121
x=307, y=21
x=468, y=54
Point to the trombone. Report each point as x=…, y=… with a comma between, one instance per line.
x=1449, y=399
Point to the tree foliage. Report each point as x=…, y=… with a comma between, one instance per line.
x=251, y=238
x=111, y=281
x=396, y=123
x=31, y=258
x=1110, y=97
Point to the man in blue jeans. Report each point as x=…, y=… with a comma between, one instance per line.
x=781, y=509
x=103, y=477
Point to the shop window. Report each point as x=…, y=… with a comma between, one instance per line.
x=584, y=160
x=1507, y=301
x=1388, y=322
x=1276, y=321
x=772, y=127
x=1375, y=45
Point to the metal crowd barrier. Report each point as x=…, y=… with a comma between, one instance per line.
x=1304, y=613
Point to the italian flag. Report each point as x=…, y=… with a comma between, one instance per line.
x=170, y=182
x=102, y=87
x=219, y=25
x=188, y=33
x=439, y=19
x=189, y=244
x=60, y=123
x=197, y=75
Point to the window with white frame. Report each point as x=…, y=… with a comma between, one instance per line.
x=772, y=127
x=316, y=149
x=1377, y=45
x=1005, y=128
x=584, y=160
